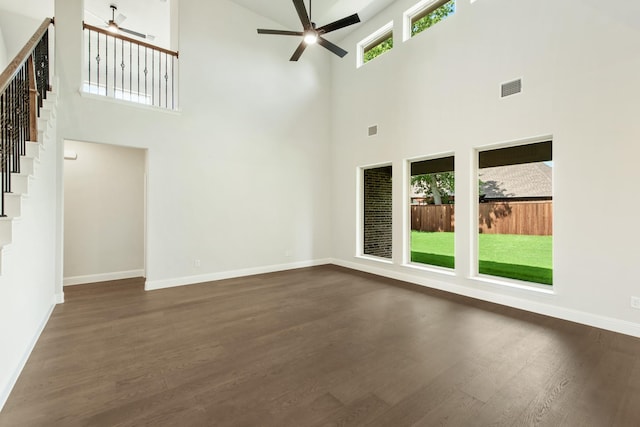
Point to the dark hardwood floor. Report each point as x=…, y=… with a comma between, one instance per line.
x=317, y=347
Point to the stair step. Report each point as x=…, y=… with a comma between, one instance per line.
x=20, y=183
x=44, y=124
x=33, y=150
x=13, y=204
x=6, y=230
x=27, y=165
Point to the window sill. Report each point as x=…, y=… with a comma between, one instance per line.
x=430, y=269
x=129, y=103
x=375, y=258
x=516, y=284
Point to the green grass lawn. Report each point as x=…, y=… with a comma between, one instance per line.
x=527, y=258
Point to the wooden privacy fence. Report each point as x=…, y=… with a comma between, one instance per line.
x=529, y=218
x=432, y=218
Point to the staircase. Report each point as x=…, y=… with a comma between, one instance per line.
x=23, y=182
x=29, y=202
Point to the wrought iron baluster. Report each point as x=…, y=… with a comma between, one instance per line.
x=146, y=72
x=3, y=141
x=89, y=57
x=153, y=78
x=130, y=72
x=106, y=65
x=98, y=64
x=173, y=79
x=159, y=79
x=115, y=67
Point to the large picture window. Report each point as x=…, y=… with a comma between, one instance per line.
x=432, y=212
x=377, y=212
x=516, y=213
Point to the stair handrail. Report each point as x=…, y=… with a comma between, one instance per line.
x=130, y=70
x=23, y=88
x=119, y=36
x=25, y=53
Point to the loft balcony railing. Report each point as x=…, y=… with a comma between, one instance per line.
x=123, y=68
x=23, y=88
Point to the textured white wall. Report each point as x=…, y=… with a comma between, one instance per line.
x=3, y=51
x=28, y=269
x=239, y=178
x=439, y=93
x=103, y=212
x=17, y=29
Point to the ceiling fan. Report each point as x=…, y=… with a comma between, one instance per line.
x=113, y=25
x=311, y=34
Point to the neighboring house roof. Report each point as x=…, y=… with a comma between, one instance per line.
x=526, y=180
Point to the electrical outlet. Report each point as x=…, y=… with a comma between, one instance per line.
x=635, y=302
x=287, y=253
x=196, y=263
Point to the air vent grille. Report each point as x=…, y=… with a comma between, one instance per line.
x=373, y=130
x=511, y=88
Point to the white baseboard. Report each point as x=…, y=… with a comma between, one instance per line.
x=585, y=318
x=153, y=285
x=104, y=277
x=6, y=388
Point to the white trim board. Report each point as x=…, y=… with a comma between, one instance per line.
x=153, y=285
x=103, y=277
x=582, y=317
x=8, y=387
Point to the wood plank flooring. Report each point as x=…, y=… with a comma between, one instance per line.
x=321, y=346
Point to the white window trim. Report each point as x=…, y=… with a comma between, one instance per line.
x=406, y=215
x=360, y=213
x=364, y=43
x=474, y=273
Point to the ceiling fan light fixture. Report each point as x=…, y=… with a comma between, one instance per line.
x=311, y=37
x=113, y=27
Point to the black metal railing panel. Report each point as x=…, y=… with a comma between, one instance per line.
x=23, y=87
x=126, y=69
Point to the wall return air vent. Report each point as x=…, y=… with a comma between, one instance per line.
x=373, y=130
x=510, y=88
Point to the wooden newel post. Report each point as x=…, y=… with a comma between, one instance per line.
x=33, y=101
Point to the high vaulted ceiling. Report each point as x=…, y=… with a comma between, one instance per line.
x=280, y=11
x=322, y=11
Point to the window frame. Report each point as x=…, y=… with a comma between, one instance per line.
x=474, y=273
x=360, y=214
x=408, y=224
x=419, y=10
x=377, y=37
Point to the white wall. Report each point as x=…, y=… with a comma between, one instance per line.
x=3, y=52
x=238, y=178
x=17, y=29
x=439, y=92
x=27, y=286
x=103, y=213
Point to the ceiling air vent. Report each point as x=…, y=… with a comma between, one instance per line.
x=373, y=130
x=511, y=88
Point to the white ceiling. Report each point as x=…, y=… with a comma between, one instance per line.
x=322, y=12
x=144, y=16
x=150, y=16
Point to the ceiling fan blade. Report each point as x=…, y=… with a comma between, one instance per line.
x=133, y=33
x=120, y=19
x=302, y=13
x=332, y=47
x=340, y=23
x=280, y=32
x=296, y=55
